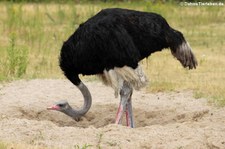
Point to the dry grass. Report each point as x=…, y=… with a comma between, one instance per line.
x=41, y=28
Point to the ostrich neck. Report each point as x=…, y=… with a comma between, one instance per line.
x=77, y=113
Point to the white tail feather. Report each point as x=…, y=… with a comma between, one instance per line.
x=185, y=55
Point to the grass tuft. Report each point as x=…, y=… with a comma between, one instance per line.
x=17, y=60
x=85, y=146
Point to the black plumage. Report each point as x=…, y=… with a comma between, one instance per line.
x=115, y=38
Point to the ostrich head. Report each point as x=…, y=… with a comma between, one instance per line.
x=64, y=107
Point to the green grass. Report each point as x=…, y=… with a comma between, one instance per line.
x=85, y=146
x=32, y=35
x=17, y=60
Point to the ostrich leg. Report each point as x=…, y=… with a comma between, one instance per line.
x=129, y=114
x=125, y=105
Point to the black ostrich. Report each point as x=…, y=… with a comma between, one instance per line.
x=111, y=44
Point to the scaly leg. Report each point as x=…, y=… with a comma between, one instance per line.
x=129, y=114
x=121, y=110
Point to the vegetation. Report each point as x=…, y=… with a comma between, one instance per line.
x=32, y=35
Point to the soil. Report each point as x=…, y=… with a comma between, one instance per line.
x=165, y=120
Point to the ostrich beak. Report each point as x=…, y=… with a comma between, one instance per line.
x=54, y=107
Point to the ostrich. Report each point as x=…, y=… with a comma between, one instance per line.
x=111, y=44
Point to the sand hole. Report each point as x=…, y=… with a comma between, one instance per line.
x=102, y=115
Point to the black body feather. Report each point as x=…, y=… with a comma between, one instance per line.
x=115, y=38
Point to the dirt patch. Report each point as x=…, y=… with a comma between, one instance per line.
x=163, y=120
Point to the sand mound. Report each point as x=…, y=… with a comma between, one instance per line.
x=163, y=120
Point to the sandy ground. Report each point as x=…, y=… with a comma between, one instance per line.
x=163, y=121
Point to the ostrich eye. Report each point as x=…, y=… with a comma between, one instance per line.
x=60, y=105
